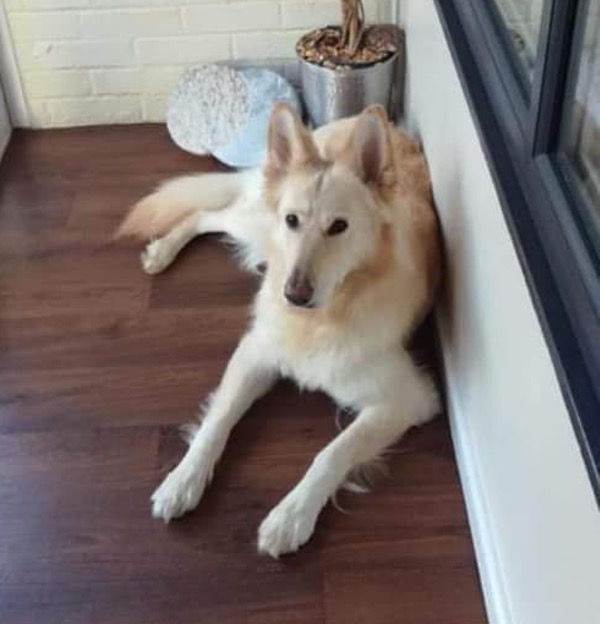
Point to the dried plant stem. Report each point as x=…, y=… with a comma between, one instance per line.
x=353, y=24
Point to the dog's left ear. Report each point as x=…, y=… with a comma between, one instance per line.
x=372, y=152
x=289, y=144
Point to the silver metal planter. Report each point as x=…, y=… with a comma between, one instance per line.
x=331, y=94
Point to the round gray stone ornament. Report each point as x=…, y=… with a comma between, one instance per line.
x=225, y=112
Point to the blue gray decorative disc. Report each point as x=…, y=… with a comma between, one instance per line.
x=225, y=112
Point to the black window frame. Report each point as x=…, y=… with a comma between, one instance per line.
x=520, y=136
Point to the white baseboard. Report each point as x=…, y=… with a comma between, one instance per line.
x=486, y=552
x=4, y=139
x=5, y=126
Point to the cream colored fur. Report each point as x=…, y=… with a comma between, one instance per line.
x=364, y=288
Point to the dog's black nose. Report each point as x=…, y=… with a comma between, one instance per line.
x=298, y=291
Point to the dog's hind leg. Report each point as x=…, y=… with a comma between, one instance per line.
x=378, y=425
x=245, y=222
x=247, y=377
x=159, y=254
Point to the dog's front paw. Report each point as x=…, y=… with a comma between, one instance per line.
x=156, y=257
x=288, y=526
x=179, y=492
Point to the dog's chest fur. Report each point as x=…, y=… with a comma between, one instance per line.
x=342, y=356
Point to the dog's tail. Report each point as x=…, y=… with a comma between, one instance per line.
x=156, y=214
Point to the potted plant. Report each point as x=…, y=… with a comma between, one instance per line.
x=347, y=67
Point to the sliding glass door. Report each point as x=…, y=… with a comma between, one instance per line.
x=579, y=140
x=522, y=20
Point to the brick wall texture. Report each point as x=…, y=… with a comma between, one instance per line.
x=115, y=61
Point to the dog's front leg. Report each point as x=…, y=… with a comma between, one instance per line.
x=291, y=523
x=248, y=376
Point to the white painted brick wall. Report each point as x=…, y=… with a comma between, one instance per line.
x=264, y=45
x=227, y=18
x=115, y=61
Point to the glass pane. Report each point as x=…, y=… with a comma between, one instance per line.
x=581, y=136
x=522, y=19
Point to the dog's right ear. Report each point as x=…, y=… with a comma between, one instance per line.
x=290, y=144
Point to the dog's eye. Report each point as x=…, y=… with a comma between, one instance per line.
x=292, y=221
x=337, y=227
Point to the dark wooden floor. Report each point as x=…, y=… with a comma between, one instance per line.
x=99, y=364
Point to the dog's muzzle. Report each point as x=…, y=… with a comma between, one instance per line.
x=299, y=291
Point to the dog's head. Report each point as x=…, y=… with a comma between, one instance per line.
x=329, y=214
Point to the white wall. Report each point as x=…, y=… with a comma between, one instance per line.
x=532, y=510
x=112, y=61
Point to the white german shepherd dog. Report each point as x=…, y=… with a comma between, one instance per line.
x=344, y=221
